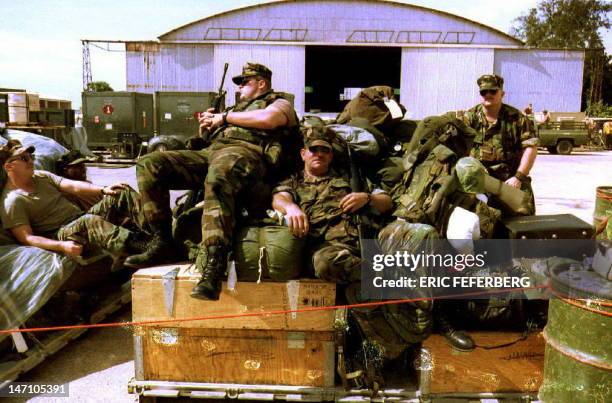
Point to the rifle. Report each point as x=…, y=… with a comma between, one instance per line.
x=202, y=139
x=357, y=186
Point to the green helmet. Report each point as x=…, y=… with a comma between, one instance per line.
x=471, y=175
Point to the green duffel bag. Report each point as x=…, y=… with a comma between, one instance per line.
x=271, y=252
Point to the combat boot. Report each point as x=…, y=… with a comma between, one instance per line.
x=457, y=339
x=157, y=250
x=211, y=263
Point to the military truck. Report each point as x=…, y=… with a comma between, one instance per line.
x=561, y=137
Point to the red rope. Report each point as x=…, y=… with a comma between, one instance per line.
x=268, y=313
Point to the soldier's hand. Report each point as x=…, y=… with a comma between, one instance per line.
x=353, y=201
x=211, y=120
x=297, y=221
x=514, y=182
x=72, y=248
x=114, y=189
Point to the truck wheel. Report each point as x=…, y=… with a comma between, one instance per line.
x=552, y=149
x=564, y=147
x=161, y=147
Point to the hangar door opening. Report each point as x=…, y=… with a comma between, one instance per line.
x=334, y=74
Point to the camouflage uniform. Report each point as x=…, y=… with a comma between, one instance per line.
x=108, y=224
x=333, y=237
x=499, y=145
x=236, y=160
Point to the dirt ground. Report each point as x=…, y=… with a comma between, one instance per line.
x=99, y=364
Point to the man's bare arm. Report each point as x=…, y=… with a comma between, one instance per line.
x=269, y=118
x=24, y=234
x=527, y=160
x=297, y=221
x=85, y=188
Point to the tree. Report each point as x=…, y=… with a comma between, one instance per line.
x=572, y=24
x=99, y=86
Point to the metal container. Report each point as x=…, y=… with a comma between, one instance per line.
x=177, y=113
x=603, y=210
x=578, y=358
x=108, y=114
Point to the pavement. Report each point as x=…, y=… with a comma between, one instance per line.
x=99, y=364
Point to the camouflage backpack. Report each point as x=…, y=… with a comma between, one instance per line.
x=422, y=193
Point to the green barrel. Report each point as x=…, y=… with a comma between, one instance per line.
x=578, y=357
x=603, y=211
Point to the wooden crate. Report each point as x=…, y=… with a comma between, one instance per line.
x=272, y=357
x=248, y=297
x=284, y=349
x=515, y=368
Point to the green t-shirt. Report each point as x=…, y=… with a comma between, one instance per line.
x=46, y=209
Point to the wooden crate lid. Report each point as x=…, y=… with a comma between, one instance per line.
x=148, y=302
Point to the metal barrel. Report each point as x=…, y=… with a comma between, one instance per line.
x=578, y=357
x=603, y=211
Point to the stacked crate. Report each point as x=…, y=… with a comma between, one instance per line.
x=240, y=345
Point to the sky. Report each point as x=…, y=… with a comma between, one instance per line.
x=40, y=47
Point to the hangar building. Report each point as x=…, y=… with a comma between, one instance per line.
x=322, y=51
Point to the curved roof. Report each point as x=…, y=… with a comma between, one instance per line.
x=295, y=16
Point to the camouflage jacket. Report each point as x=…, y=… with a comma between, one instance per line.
x=499, y=146
x=320, y=199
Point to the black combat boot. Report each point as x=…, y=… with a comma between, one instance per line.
x=211, y=264
x=457, y=339
x=153, y=251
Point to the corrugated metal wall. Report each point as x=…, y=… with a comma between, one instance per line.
x=169, y=67
x=549, y=79
x=286, y=62
x=435, y=81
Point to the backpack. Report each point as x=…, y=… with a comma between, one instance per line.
x=372, y=103
x=428, y=179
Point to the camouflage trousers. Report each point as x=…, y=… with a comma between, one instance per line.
x=337, y=262
x=222, y=169
x=105, y=225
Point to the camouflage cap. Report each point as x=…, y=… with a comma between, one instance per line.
x=13, y=149
x=471, y=174
x=318, y=136
x=490, y=82
x=253, y=70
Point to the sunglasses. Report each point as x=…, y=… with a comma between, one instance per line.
x=319, y=149
x=485, y=92
x=24, y=158
x=246, y=81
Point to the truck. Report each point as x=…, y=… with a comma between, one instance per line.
x=561, y=137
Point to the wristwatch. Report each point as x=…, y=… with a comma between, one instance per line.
x=369, y=198
x=521, y=176
x=224, y=115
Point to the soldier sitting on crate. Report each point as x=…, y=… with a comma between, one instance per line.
x=506, y=142
x=244, y=147
x=34, y=207
x=320, y=205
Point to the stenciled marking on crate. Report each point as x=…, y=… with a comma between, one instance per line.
x=252, y=365
x=314, y=374
x=165, y=337
x=523, y=355
x=208, y=345
x=296, y=340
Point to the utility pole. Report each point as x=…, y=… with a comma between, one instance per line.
x=86, y=65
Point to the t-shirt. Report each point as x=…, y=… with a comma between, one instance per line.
x=46, y=209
